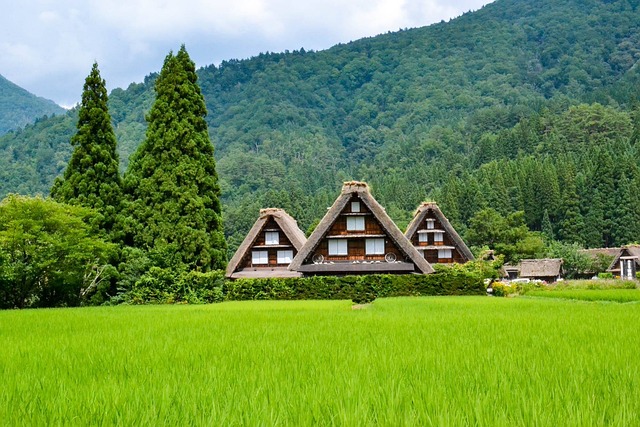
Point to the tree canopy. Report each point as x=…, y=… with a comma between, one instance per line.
x=92, y=178
x=172, y=184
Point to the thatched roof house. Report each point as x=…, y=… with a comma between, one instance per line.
x=549, y=269
x=356, y=236
x=600, y=258
x=273, y=241
x=434, y=237
x=627, y=262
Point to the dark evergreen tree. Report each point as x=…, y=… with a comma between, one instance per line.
x=92, y=178
x=625, y=219
x=172, y=184
x=571, y=220
x=547, y=227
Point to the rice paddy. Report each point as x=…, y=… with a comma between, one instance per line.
x=401, y=361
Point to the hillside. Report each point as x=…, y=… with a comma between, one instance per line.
x=418, y=113
x=19, y=107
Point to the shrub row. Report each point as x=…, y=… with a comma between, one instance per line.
x=163, y=286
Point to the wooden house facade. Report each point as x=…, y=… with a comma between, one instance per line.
x=431, y=233
x=356, y=236
x=272, y=243
x=626, y=263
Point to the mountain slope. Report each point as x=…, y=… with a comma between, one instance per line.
x=19, y=107
x=402, y=110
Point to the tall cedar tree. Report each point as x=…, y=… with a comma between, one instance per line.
x=92, y=178
x=172, y=184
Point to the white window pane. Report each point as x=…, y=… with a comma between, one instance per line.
x=337, y=247
x=355, y=206
x=285, y=257
x=438, y=237
x=444, y=253
x=375, y=246
x=423, y=237
x=431, y=223
x=260, y=257
x=355, y=223
x=272, y=238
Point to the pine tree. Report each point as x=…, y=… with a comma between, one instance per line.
x=546, y=227
x=172, y=184
x=91, y=178
x=625, y=225
x=571, y=220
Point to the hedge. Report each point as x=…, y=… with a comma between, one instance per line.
x=162, y=286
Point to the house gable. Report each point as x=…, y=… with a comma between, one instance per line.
x=431, y=233
x=268, y=248
x=356, y=236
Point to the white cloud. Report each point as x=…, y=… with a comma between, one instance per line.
x=48, y=46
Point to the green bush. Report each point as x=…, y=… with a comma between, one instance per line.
x=166, y=286
x=605, y=276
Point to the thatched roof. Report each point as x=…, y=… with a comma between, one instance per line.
x=625, y=251
x=361, y=189
x=432, y=208
x=287, y=224
x=550, y=267
x=595, y=252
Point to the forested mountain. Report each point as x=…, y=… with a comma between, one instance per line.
x=523, y=105
x=19, y=107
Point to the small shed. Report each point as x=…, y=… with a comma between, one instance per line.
x=548, y=270
x=626, y=263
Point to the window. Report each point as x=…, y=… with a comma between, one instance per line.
x=375, y=247
x=431, y=223
x=355, y=223
x=260, y=257
x=355, y=206
x=444, y=254
x=337, y=247
x=438, y=237
x=285, y=257
x=423, y=237
x=271, y=238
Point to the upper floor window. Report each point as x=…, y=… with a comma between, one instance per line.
x=355, y=223
x=271, y=238
x=355, y=206
x=431, y=223
x=337, y=247
x=285, y=257
x=260, y=257
x=374, y=246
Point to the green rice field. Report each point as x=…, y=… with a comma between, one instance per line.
x=613, y=295
x=432, y=361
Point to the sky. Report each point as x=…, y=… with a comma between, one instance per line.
x=49, y=46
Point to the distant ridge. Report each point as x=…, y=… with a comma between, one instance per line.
x=18, y=107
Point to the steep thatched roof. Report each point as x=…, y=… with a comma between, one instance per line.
x=432, y=208
x=360, y=189
x=595, y=252
x=625, y=251
x=287, y=224
x=550, y=267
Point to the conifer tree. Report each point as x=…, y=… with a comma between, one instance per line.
x=92, y=178
x=625, y=220
x=172, y=184
x=571, y=220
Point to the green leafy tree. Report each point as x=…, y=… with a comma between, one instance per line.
x=172, y=184
x=92, y=178
x=49, y=254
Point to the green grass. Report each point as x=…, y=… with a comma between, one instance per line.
x=403, y=361
x=614, y=295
